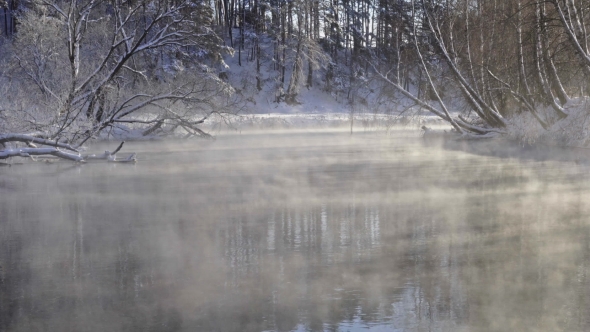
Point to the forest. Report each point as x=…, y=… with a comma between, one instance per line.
x=72, y=71
x=302, y=229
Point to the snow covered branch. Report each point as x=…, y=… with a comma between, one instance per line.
x=120, y=60
x=28, y=152
x=30, y=139
x=462, y=123
x=54, y=148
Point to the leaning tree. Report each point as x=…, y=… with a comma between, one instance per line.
x=81, y=69
x=505, y=60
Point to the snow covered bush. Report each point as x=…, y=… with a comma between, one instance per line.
x=573, y=130
x=80, y=69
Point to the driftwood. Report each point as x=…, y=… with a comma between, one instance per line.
x=53, y=148
x=111, y=156
x=33, y=139
x=433, y=134
x=28, y=152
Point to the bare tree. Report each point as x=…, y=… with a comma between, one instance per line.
x=489, y=118
x=139, y=64
x=504, y=57
x=573, y=17
x=306, y=49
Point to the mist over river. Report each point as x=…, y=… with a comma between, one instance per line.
x=296, y=230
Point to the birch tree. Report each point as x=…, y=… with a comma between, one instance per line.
x=505, y=57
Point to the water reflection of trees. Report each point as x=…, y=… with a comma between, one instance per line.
x=515, y=249
x=426, y=252
x=326, y=264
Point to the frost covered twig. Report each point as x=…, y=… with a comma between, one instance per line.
x=33, y=139
x=28, y=152
x=54, y=149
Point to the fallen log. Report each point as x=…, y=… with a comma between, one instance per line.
x=28, y=152
x=111, y=156
x=54, y=149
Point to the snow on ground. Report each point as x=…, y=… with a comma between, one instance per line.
x=572, y=131
x=321, y=121
x=312, y=101
x=375, y=108
x=243, y=78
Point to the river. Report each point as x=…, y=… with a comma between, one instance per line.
x=299, y=231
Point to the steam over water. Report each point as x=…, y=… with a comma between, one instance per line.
x=297, y=231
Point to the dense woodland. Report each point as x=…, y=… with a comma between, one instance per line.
x=74, y=70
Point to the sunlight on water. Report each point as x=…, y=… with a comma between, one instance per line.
x=299, y=232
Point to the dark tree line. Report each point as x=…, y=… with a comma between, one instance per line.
x=8, y=9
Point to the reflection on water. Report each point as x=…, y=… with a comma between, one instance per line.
x=305, y=232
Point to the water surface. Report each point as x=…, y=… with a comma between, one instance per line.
x=305, y=231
